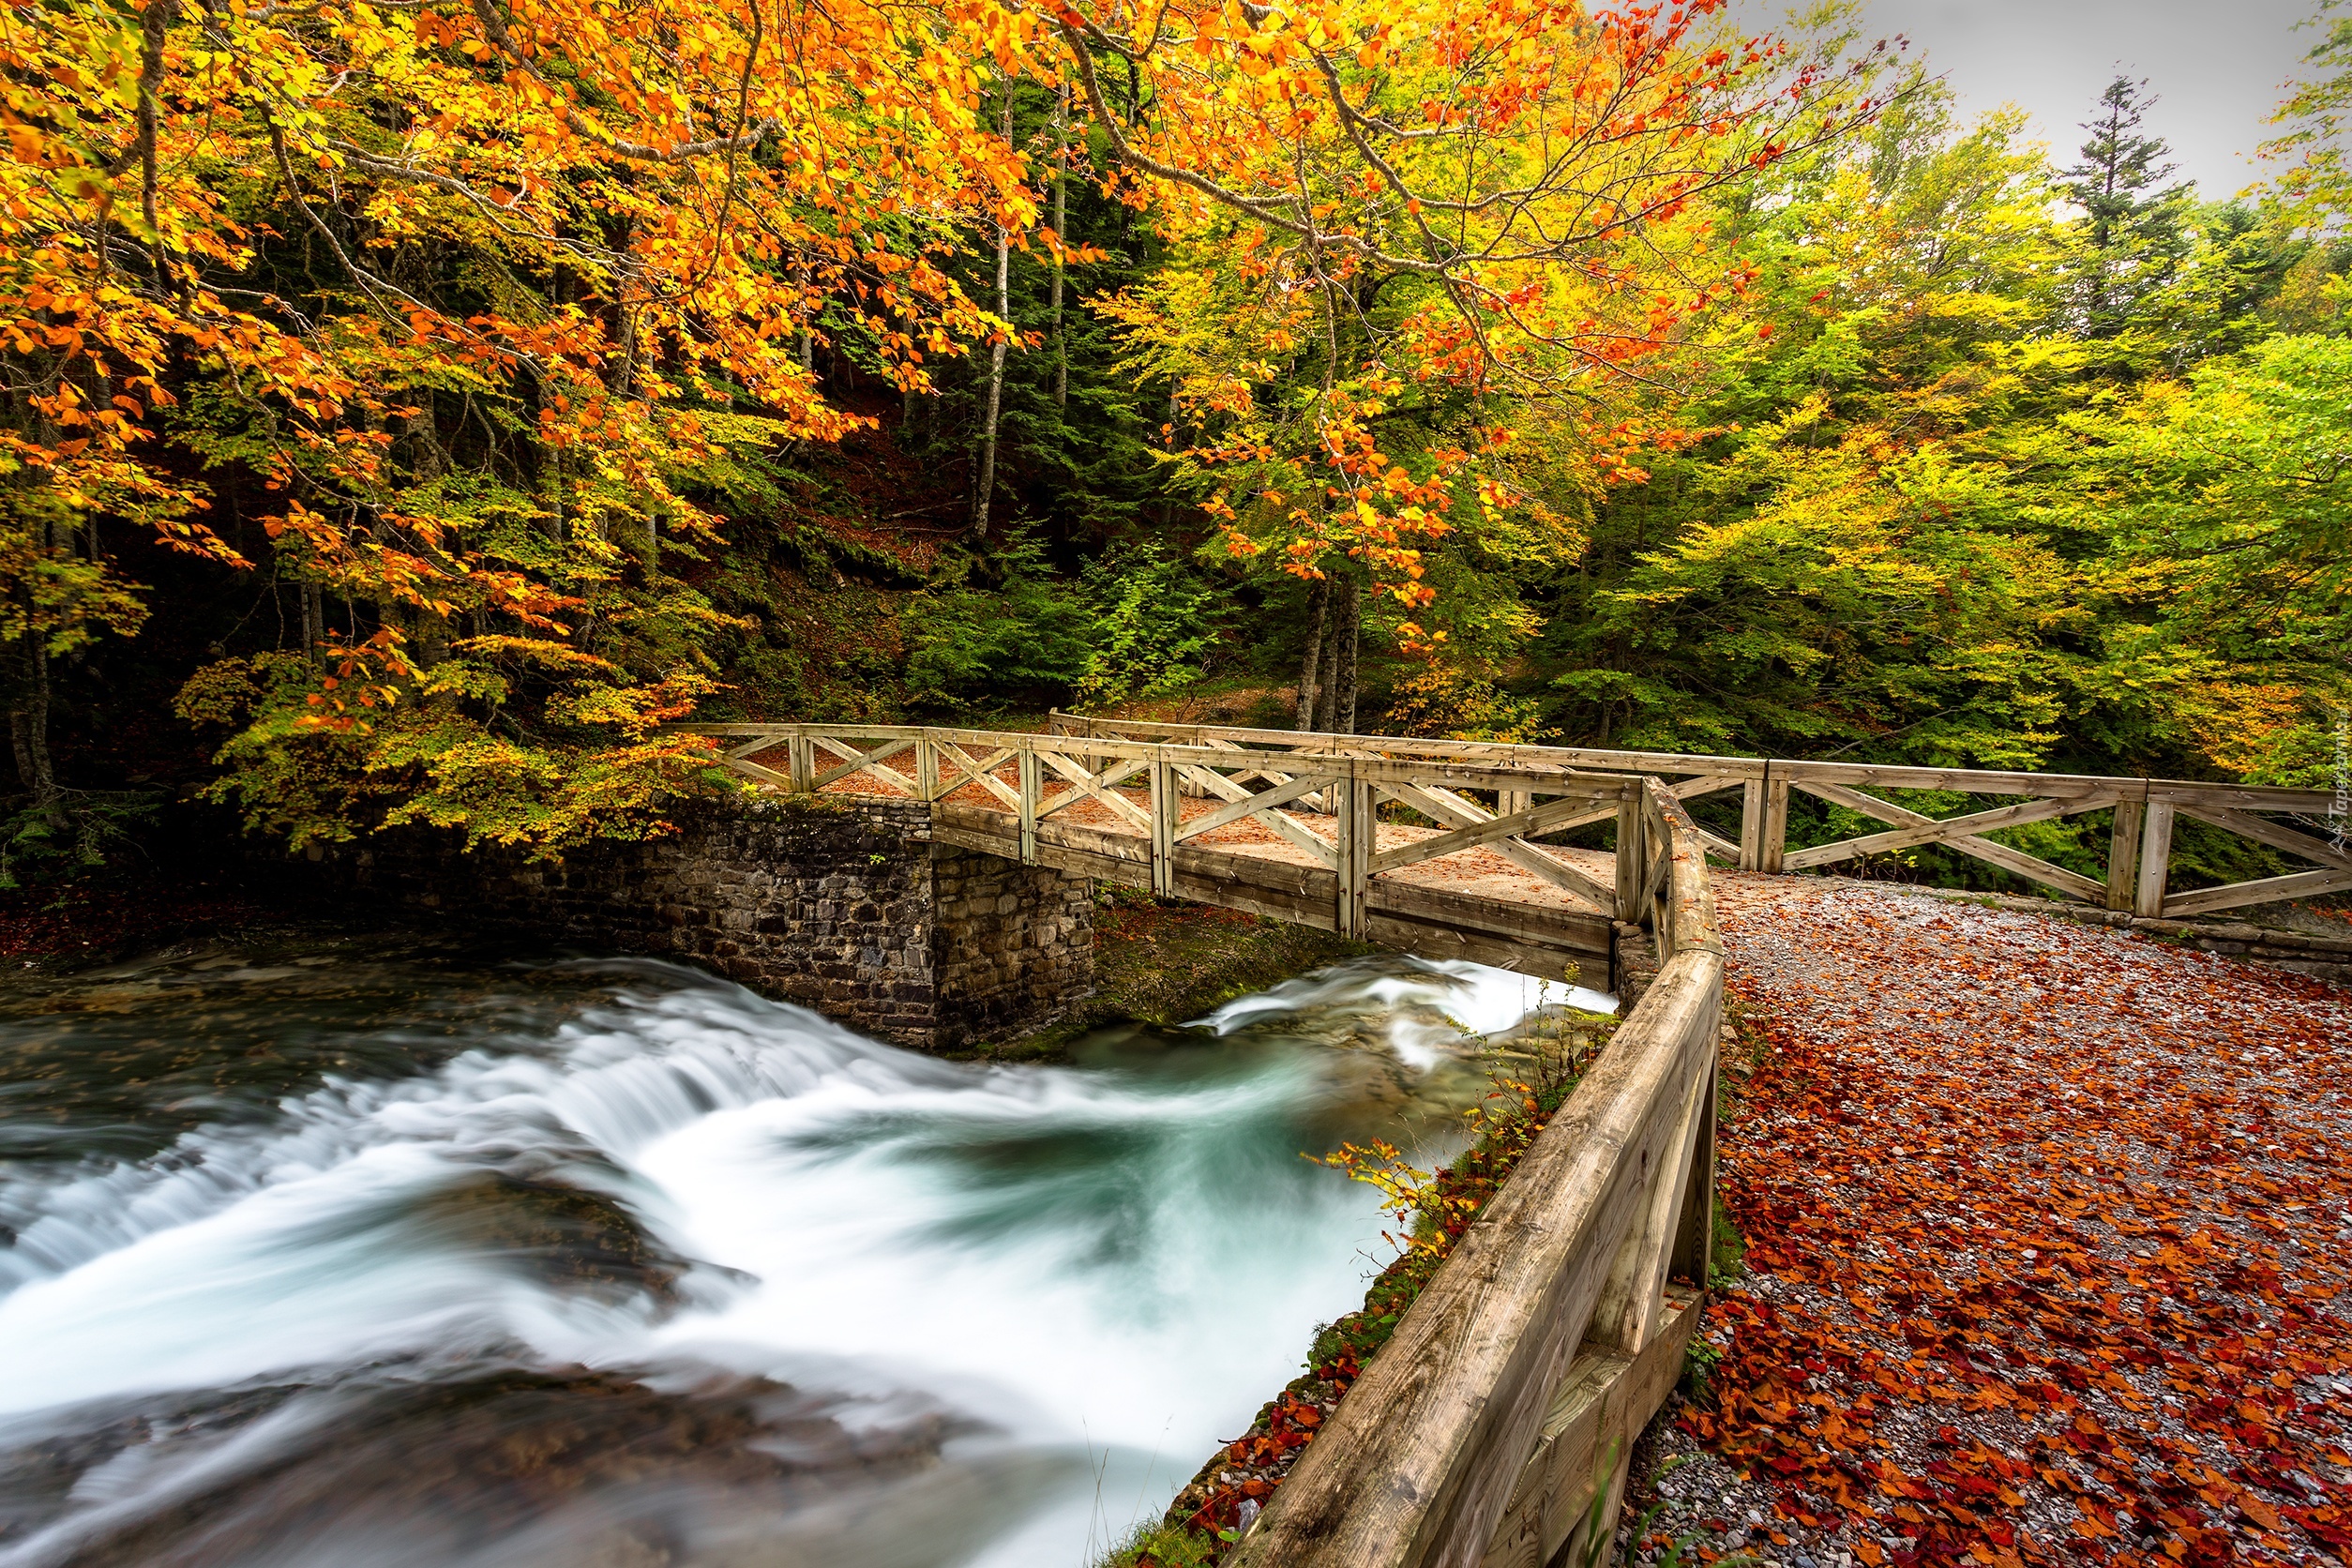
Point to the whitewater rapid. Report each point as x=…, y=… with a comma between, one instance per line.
x=842, y=1305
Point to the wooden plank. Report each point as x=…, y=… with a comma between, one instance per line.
x=1166, y=805
x=864, y=761
x=1031, y=786
x=1993, y=854
x=1441, y=771
x=1772, y=846
x=1630, y=859
x=1454, y=811
x=1101, y=787
x=1524, y=823
x=2124, y=854
x=1752, y=824
x=1975, y=781
x=2240, y=797
x=1418, y=1464
x=1358, y=826
x=765, y=775
x=2270, y=890
x=1719, y=846
x=1732, y=768
x=1691, y=896
x=1247, y=805
x=2277, y=835
x=1695, y=1227
x=1432, y=922
x=1427, y=940
x=982, y=774
x=1602, y=1407
x=1935, y=829
x=1283, y=826
x=2148, y=894
x=1537, y=927
x=995, y=836
x=803, y=764
x=1685, y=789
x=927, y=768
x=1626, y=1313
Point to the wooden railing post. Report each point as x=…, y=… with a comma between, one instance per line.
x=926, y=766
x=2123, y=854
x=1658, y=840
x=2155, y=860
x=1166, y=805
x=803, y=766
x=1029, y=792
x=1632, y=866
x=1695, y=1231
x=1772, y=844
x=1359, y=826
x=1752, y=824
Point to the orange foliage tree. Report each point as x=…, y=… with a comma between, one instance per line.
x=1416, y=219
x=476, y=305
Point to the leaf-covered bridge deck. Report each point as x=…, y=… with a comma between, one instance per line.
x=2050, y=1232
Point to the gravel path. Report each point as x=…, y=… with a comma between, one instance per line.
x=2049, y=1232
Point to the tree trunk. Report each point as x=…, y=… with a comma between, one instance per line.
x=313, y=621
x=1061, y=216
x=807, y=341
x=1344, y=676
x=1310, y=673
x=28, y=731
x=996, y=360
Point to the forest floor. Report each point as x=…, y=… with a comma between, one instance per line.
x=2049, y=1232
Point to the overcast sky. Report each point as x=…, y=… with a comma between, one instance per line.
x=2217, y=67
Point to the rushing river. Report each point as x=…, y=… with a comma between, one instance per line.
x=358, y=1255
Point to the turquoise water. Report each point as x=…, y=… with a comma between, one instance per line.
x=368, y=1256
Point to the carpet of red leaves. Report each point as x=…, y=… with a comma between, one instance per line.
x=2049, y=1230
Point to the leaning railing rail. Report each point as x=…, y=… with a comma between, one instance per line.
x=1511, y=1393
x=2139, y=858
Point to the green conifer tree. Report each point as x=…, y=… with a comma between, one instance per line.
x=2135, y=228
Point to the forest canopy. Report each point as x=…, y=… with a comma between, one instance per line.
x=415, y=410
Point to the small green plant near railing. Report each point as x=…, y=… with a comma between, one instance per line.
x=1599, y=1539
x=1164, y=1545
x=1699, y=1362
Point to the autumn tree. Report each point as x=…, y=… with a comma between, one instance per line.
x=1392, y=226
x=473, y=307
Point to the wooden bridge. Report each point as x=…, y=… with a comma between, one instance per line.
x=1504, y=1408
x=1433, y=847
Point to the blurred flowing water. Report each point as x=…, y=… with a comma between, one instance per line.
x=374, y=1254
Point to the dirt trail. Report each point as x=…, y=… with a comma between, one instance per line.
x=2049, y=1230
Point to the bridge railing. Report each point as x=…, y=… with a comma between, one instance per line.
x=1506, y=1403
x=1151, y=811
x=2143, y=811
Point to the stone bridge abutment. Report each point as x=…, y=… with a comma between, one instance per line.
x=844, y=905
